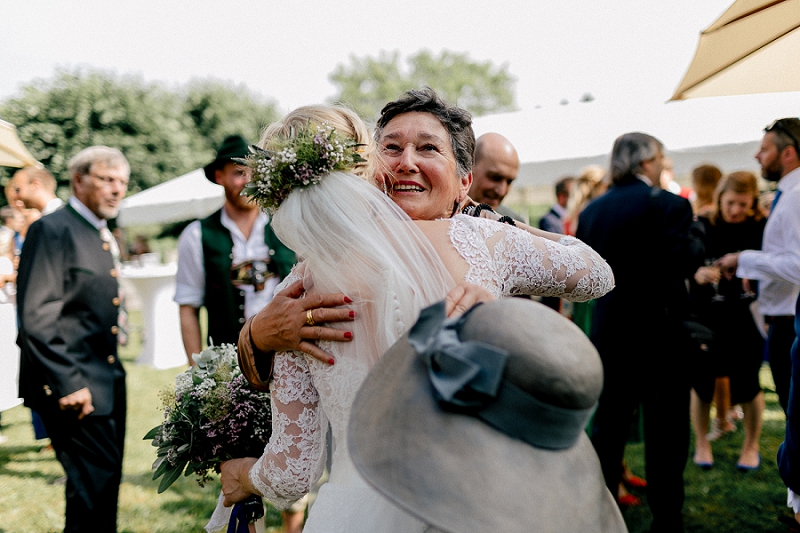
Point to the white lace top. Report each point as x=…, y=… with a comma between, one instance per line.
x=308, y=394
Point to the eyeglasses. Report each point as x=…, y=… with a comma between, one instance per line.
x=108, y=181
x=781, y=125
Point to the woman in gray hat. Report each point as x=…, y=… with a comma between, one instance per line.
x=355, y=240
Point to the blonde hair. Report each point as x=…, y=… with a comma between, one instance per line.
x=741, y=182
x=344, y=120
x=588, y=186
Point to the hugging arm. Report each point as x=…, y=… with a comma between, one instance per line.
x=294, y=458
x=516, y=261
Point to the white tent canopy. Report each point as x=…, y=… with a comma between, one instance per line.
x=558, y=141
x=182, y=198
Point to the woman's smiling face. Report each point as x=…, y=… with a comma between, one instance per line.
x=423, y=179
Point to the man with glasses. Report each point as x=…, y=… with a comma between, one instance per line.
x=777, y=265
x=67, y=305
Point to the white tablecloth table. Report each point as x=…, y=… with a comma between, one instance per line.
x=162, y=345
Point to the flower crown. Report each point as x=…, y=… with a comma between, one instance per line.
x=298, y=161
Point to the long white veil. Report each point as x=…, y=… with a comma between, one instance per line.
x=355, y=240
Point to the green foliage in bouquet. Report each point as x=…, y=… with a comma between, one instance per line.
x=212, y=416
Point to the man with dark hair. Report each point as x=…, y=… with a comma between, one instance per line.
x=231, y=261
x=36, y=187
x=68, y=309
x=495, y=169
x=553, y=221
x=777, y=264
x=643, y=233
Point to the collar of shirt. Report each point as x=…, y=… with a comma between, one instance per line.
x=560, y=211
x=645, y=179
x=52, y=205
x=790, y=180
x=261, y=221
x=86, y=213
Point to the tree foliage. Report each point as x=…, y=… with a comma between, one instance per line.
x=162, y=132
x=368, y=83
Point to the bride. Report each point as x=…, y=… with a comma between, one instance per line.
x=355, y=240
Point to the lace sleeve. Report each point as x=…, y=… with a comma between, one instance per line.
x=294, y=458
x=510, y=261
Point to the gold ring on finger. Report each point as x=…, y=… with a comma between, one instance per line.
x=310, y=318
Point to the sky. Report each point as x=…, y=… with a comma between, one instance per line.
x=620, y=51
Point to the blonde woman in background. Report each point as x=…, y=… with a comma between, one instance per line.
x=734, y=223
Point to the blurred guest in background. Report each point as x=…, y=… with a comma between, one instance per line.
x=734, y=223
x=553, y=220
x=589, y=185
x=704, y=182
x=668, y=183
x=777, y=264
x=70, y=372
x=643, y=233
x=36, y=188
x=495, y=169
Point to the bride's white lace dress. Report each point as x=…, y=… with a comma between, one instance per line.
x=308, y=394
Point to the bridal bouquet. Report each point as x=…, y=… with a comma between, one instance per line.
x=212, y=416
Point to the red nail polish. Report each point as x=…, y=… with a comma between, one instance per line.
x=352, y=314
x=331, y=361
x=347, y=300
x=348, y=335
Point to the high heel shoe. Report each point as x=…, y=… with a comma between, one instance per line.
x=628, y=500
x=746, y=468
x=634, y=482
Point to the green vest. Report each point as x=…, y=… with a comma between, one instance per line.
x=223, y=301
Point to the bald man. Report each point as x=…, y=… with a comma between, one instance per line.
x=496, y=167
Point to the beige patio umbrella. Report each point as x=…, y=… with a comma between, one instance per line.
x=12, y=152
x=754, y=47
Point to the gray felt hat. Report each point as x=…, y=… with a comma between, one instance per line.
x=477, y=424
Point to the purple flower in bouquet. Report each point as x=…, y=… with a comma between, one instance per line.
x=213, y=415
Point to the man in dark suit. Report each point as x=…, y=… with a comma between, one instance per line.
x=553, y=220
x=643, y=233
x=67, y=308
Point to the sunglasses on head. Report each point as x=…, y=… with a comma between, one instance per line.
x=781, y=125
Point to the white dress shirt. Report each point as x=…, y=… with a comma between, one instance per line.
x=190, y=281
x=52, y=205
x=777, y=264
x=86, y=213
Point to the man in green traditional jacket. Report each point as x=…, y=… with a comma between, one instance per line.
x=231, y=261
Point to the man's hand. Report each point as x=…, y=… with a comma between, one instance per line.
x=463, y=296
x=290, y=323
x=80, y=400
x=727, y=265
x=707, y=274
x=235, y=478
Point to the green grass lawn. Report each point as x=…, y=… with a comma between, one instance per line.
x=722, y=499
x=30, y=503
x=719, y=500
